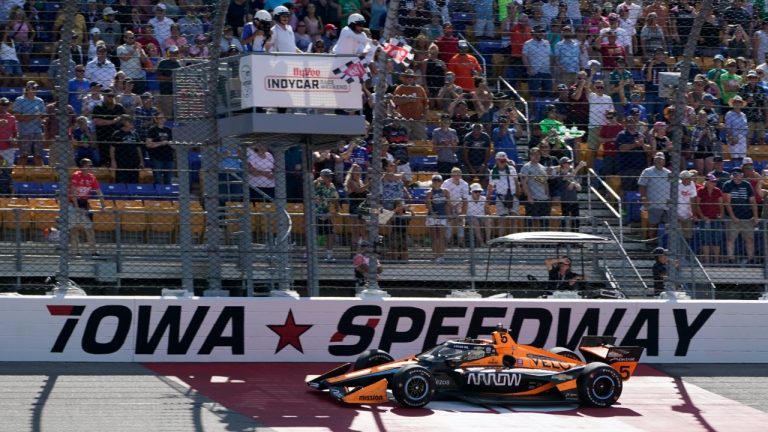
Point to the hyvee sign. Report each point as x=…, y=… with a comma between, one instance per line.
x=245, y=330
x=301, y=81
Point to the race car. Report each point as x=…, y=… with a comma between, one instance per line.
x=496, y=371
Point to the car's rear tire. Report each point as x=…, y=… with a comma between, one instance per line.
x=565, y=352
x=413, y=386
x=371, y=358
x=599, y=385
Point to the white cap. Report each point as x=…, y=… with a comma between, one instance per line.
x=160, y=6
x=747, y=161
x=686, y=174
x=475, y=187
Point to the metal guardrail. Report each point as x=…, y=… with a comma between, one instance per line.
x=526, y=114
x=624, y=260
x=616, y=214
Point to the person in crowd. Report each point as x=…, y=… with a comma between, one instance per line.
x=659, y=270
x=230, y=42
x=621, y=85
x=190, y=25
x=449, y=92
x=611, y=51
x=728, y=82
x=686, y=203
x=125, y=95
x=458, y=190
x=329, y=36
x=132, y=59
x=83, y=185
x=568, y=186
x=652, y=36
x=704, y=143
x=165, y=76
x=561, y=275
x=106, y=119
x=357, y=191
x=607, y=139
x=632, y=147
x=101, y=69
x=9, y=133
x=756, y=103
x=736, y=129
x=655, y=193
x=438, y=212
x=126, y=158
x=567, y=57
x=29, y=110
x=448, y=43
x=504, y=138
x=534, y=179
x=176, y=38
x=394, y=198
x=303, y=39
x=741, y=213
x=754, y=179
x=159, y=140
x=435, y=70
x=599, y=105
x=465, y=67
x=623, y=36
x=110, y=31
x=476, y=148
x=84, y=141
x=10, y=66
x=161, y=25
x=412, y=103
x=537, y=59
x=709, y=212
x=91, y=100
x=326, y=205
x=719, y=171
x=361, y=262
x=78, y=88
x=445, y=141
x=147, y=37
x=478, y=211
x=504, y=183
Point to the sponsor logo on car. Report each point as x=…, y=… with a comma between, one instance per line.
x=371, y=398
x=496, y=379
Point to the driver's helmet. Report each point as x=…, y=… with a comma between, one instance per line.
x=281, y=11
x=263, y=16
x=356, y=19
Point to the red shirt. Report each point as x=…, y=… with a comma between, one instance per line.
x=448, y=45
x=81, y=185
x=758, y=195
x=520, y=34
x=610, y=53
x=709, y=202
x=610, y=131
x=8, y=130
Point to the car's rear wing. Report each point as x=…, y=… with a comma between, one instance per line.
x=622, y=358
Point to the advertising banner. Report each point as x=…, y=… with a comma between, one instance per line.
x=301, y=81
x=133, y=329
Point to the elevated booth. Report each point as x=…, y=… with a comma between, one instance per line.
x=280, y=101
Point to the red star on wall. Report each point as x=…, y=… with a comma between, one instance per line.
x=290, y=333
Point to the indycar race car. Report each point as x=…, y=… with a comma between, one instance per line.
x=497, y=371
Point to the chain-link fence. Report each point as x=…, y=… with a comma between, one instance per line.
x=641, y=124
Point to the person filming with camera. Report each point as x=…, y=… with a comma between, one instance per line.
x=561, y=277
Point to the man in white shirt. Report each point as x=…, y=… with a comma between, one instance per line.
x=537, y=58
x=352, y=40
x=634, y=9
x=100, y=69
x=599, y=104
x=458, y=190
x=504, y=181
x=282, y=39
x=161, y=24
x=131, y=55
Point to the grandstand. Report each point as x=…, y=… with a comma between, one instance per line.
x=190, y=198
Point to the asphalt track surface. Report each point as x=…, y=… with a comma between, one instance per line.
x=271, y=397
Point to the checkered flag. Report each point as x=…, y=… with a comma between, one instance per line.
x=400, y=51
x=353, y=69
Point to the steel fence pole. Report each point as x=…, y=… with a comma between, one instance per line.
x=185, y=218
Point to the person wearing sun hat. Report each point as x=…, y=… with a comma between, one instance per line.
x=709, y=212
x=477, y=210
x=736, y=129
x=756, y=101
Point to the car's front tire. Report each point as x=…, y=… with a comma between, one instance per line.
x=413, y=386
x=371, y=358
x=599, y=385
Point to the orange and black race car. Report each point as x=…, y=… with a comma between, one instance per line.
x=496, y=371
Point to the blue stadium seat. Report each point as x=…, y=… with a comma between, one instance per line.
x=39, y=64
x=728, y=165
x=460, y=20
x=489, y=46
x=114, y=190
x=27, y=189
x=167, y=192
x=423, y=163
x=11, y=92
x=195, y=164
x=45, y=95
x=50, y=189
x=419, y=194
x=141, y=190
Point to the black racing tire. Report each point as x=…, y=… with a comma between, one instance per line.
x=599, y=385
x=413, y=386
x=565, y=352
x=372, y=358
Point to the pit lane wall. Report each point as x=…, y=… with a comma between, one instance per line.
x=141, y=329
